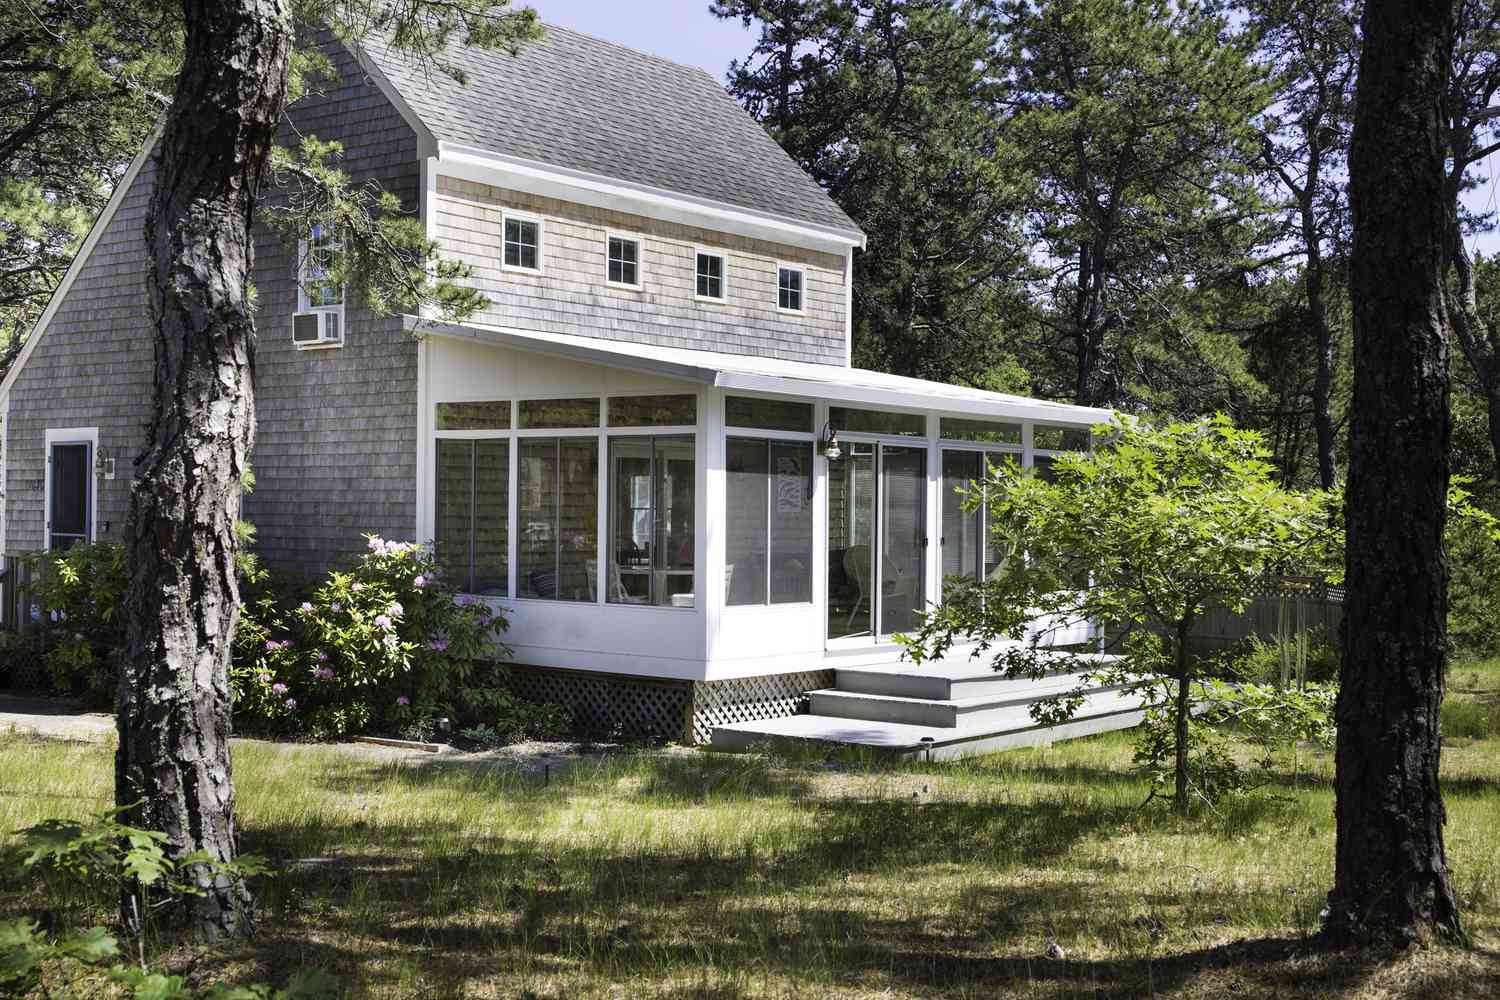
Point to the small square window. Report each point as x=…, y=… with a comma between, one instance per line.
x=789, y=289
x=710, y=275
x=523, y=242
x=624, y=261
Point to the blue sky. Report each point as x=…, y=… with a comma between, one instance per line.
x=684, y=30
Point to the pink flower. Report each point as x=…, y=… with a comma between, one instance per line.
x=357, y=587
x=403, y=700
x=395, y=610
x=263, y=677
x=390, y=641
x=278, y=689
x=381, y=621
x=272, y=645
x=336, y=607
x=323, y=674
x=307, y=607
x=438, y=645
x=376, y=544
x=322, y=657
x=291, y=703
x=484, y=621
x=419, y=581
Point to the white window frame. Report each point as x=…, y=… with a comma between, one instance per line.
x=65, y=436
x=506, y=215
x=723, y=256
x=304, y=248
x=640, y=260
x=801, y=270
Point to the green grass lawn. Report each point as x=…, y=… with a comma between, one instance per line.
x=695, y=875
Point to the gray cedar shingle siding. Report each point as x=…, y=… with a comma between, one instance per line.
x=336, y=446
x=584, y=104
x=571, y=296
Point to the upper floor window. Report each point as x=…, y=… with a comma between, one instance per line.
x=624, y=261
x=789, y=282
x=710, y=275
x=318, y=255
x=523, y=242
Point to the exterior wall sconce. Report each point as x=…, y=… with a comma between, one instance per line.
x=828, y=443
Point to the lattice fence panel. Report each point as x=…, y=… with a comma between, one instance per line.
x=748, y=699
x=609, y=704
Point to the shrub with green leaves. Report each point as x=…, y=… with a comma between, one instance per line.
x=1473, y=542
x=387, y=645
x=79, y=596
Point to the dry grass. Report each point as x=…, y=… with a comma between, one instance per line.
x=715, y=877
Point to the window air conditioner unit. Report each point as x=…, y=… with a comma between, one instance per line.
x=318, y=328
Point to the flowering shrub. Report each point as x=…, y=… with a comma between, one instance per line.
x=77, y=612
x=384, y=646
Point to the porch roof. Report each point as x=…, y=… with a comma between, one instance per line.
x=851, y=386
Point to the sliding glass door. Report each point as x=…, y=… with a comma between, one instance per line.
x=877, y=539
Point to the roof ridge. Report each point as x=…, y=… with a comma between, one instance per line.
x=631, y=49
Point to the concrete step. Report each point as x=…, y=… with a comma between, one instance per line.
x=955, y=713
x=904, y=740
x=945, y=680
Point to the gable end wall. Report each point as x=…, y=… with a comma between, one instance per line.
x=335, y=450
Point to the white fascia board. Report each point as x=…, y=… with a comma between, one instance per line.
x=81, y=258
x=517, y=174
x=876, y=396
x=523, y=340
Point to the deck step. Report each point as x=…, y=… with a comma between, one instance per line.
x=957, y=713
x=904, y=740
x=947, y=680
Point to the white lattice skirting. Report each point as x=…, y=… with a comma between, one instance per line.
x=686, y=711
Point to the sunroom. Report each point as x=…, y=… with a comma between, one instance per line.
x=660, y=512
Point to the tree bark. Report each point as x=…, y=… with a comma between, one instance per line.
x=1391, y=879
x=173, y=766
x=1184, y=710
x=1474, y=336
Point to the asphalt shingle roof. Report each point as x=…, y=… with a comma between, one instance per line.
x=584, y=104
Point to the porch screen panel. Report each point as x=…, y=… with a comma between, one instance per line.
x=962, y=531
x=455, y=510
x=653, y=521
x=473, y=509
x=558, y=516
x=492, y=518
x=791, y=518
x=747, y=543
x=769, y=525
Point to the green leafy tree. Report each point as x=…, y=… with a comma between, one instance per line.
x=81, y=83
x=889, y=105
x=1137, y=119
x=1144, y=533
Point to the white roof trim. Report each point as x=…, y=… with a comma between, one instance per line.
x=80, y=259
x=534, y=177
x=835, y=383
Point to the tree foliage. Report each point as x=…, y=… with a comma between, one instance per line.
x=81, y=84
x=1143, y=534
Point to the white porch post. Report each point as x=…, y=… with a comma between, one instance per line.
x=820, y=523
x=710, y=514
x=934, y=551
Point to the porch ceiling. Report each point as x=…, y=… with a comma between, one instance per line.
x=854, y=386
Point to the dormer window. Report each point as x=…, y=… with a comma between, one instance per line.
x=623, y=264
x=789, y=282
x=523, y=243
x=710, y=276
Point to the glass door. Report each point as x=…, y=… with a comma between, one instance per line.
x=903, y=537
x=877, y=540
x=72, y=482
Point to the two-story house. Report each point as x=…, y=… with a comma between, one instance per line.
x=649, y=448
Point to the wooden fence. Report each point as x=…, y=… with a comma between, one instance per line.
x=1300, y=602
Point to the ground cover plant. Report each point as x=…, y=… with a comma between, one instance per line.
x=691, y=875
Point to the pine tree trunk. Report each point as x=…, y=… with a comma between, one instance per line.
x=1473, y=334
x=173, y=766
x=1391, y=878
